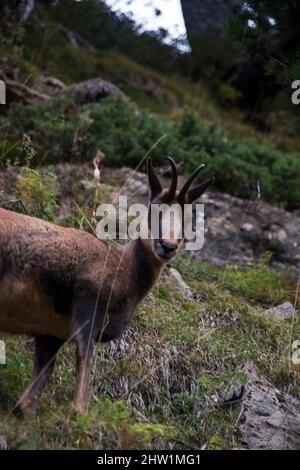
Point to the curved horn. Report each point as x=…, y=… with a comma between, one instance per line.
x=188, y=183
x=174, y=181
x=154, y=183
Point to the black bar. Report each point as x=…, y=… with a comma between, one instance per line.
x=142, y=459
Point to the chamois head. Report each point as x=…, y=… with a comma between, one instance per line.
x=169, y=234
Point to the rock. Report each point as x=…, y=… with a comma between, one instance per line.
x=87, y=185
x=203, y=16
x=149, y=87
x=3, y=443
x=264, y=228
x=269, y=419
x=16, y=90
x=297, y=212
x=282, y=312
x=134, y=183
x=248, y=227
x=92, y=91
x=281, y=235
x=175, y=276
x=233, y=393
x=53, y=82
x=137, y=187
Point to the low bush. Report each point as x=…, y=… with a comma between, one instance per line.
x=125, y=134
x=38, y=192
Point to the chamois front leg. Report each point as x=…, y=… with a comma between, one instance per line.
x=84, y=361
x=85, y=332
x=46, y=349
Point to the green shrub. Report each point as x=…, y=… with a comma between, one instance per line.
x=55, y=127
x=38, y=193
x=125, y=134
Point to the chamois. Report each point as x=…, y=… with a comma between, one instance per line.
x=60, y=284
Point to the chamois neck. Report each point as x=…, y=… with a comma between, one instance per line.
x=146, y=268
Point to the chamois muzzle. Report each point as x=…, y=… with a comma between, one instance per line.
x=166, y=249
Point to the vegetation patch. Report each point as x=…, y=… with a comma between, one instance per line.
x=125, y=134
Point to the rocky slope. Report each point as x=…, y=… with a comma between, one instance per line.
x=237, y=230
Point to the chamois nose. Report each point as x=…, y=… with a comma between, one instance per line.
x=168, y=247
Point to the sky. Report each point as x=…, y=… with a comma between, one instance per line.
x=143, y=12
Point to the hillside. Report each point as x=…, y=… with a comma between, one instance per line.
x=189, y=121
x=205, y=338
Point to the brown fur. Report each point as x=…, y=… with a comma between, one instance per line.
x=36, y=252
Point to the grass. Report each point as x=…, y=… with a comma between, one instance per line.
x=257, y=284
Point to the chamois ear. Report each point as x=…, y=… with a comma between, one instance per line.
x=194, y=193
x=154, y=183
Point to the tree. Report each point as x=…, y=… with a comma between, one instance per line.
x=268, y=31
